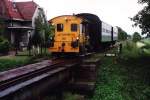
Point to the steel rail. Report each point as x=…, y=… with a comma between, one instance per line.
x=8, y=82
x=16, y=87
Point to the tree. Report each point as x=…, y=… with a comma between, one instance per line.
x=38, y=35
x=41, y=33
x=1, y=26
x=143, y=1
x=129, y=36
x=49, y=32
x=142, y=18
x=136, y=37
x=122, y=35
x=4, y=45
x=37, y=39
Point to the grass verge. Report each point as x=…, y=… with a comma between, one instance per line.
x=9, y=62
x=110, y=82
x=123, y=79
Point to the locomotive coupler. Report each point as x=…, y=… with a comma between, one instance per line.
x=63, y=45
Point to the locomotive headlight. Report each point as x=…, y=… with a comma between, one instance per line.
x=65, y=18
x=77, y=38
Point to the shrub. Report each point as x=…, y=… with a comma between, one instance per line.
x=130, y=50
x=136, y=37
x=4, y=45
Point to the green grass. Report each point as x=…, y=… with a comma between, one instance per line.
x=122, y=81
x=109, y=85
x=70, y=96
x=138, y=79
x=25, y=52
x=9, y=62
x=34, y=52
x=130, y=50
x=125, y=77
x=22, y=58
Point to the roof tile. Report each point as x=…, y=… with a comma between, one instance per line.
x=26, y=9
x=21, y=10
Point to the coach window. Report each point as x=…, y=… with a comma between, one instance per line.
x=60, y=27
x=74, y=27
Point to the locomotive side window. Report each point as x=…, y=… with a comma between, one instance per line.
x=74, y=27
x=60, y=27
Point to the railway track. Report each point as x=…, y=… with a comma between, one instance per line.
x=15, y=79
x=58, y=69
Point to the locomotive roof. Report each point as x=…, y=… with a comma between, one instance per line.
x=63, y=16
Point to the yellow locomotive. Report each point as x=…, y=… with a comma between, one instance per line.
x=69, y=36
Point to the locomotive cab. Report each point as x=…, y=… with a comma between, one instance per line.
x=69, y=36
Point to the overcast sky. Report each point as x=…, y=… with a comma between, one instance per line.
x=114, y=12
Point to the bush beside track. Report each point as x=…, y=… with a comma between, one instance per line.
x=4, y=45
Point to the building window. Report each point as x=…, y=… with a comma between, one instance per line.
x=74, y=27
x=60, y=27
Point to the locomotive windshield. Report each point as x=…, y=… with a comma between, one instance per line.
x=60, y=27
x=74, y=27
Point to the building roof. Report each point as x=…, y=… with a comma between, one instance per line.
x=26, y=9
x=20, y=10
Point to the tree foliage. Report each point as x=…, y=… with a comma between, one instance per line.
x=143, y=1
x=4, y=45
x=122, y=35
x=41, y=33
x=142, y=18
x=38, y=37
x=136, y=37
x=49, y=31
